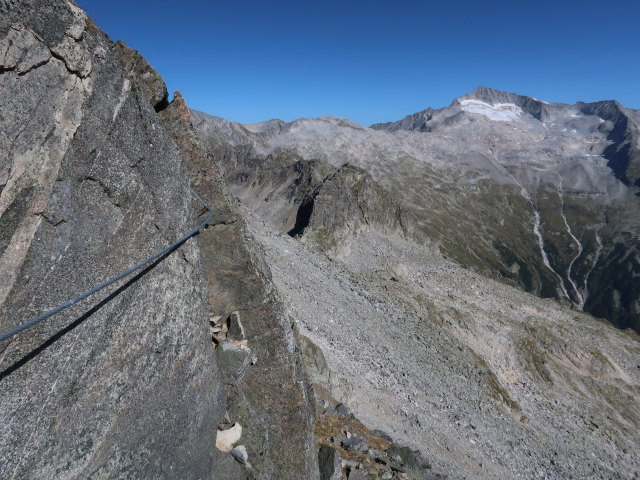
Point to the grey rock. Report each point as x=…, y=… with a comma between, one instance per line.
x=236, y=331
x=147, y=77
x=342, y=409
x=233, y=361
x=406, y=456
x=227, y=468
x=358, y=475
x=319, y=372
x=123, y=384
x=354, y=443
x=240, y=454
x=329, y=463
x=271, y=401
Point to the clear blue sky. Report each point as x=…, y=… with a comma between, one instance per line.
x=374, y=61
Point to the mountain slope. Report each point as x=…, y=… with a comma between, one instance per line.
x=484, y=380
x=542, y=195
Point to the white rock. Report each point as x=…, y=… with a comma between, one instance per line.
x=226, y=438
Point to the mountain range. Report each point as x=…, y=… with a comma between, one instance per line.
x=541, y=195
x=450, y=296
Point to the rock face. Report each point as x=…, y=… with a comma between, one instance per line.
x=540, y=195
x=124, y=384
x=151, y=82
x=265, y=384
x=344, y=204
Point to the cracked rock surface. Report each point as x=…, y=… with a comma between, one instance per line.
x=266, y=388
x=124, y=384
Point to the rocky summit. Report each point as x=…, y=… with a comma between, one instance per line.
x=453, y=295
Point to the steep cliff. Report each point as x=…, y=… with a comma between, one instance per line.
x=124, y=384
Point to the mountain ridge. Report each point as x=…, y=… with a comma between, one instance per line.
x=318, y=327
x=548, y=154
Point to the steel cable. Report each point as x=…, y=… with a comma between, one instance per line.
x=97, y=288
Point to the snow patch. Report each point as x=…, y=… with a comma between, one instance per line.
x=541, y=101
x=501, y=112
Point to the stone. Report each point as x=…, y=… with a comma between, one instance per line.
x=226, y=438
x=227, y=468
x=218, y=338
x=358, y=475
x=240, y=454
x=342, y=409
x=406, y=456
x=236, y=330
x=150, y=80
x=22, y=50
x=233, y=360
x=329, y=463
x=354, y=443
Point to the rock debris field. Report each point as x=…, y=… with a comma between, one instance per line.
x=486, y=381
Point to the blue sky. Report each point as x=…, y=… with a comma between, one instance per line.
x=374, y=61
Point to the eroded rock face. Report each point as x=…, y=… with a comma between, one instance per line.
x=124, y=384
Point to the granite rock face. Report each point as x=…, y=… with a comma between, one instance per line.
x=123, y=384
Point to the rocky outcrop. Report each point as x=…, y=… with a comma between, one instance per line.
x=276, y=185
x=146, y=76
x=623, y=153
x=344, y=204
x=124, y=384
x=417, y=122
